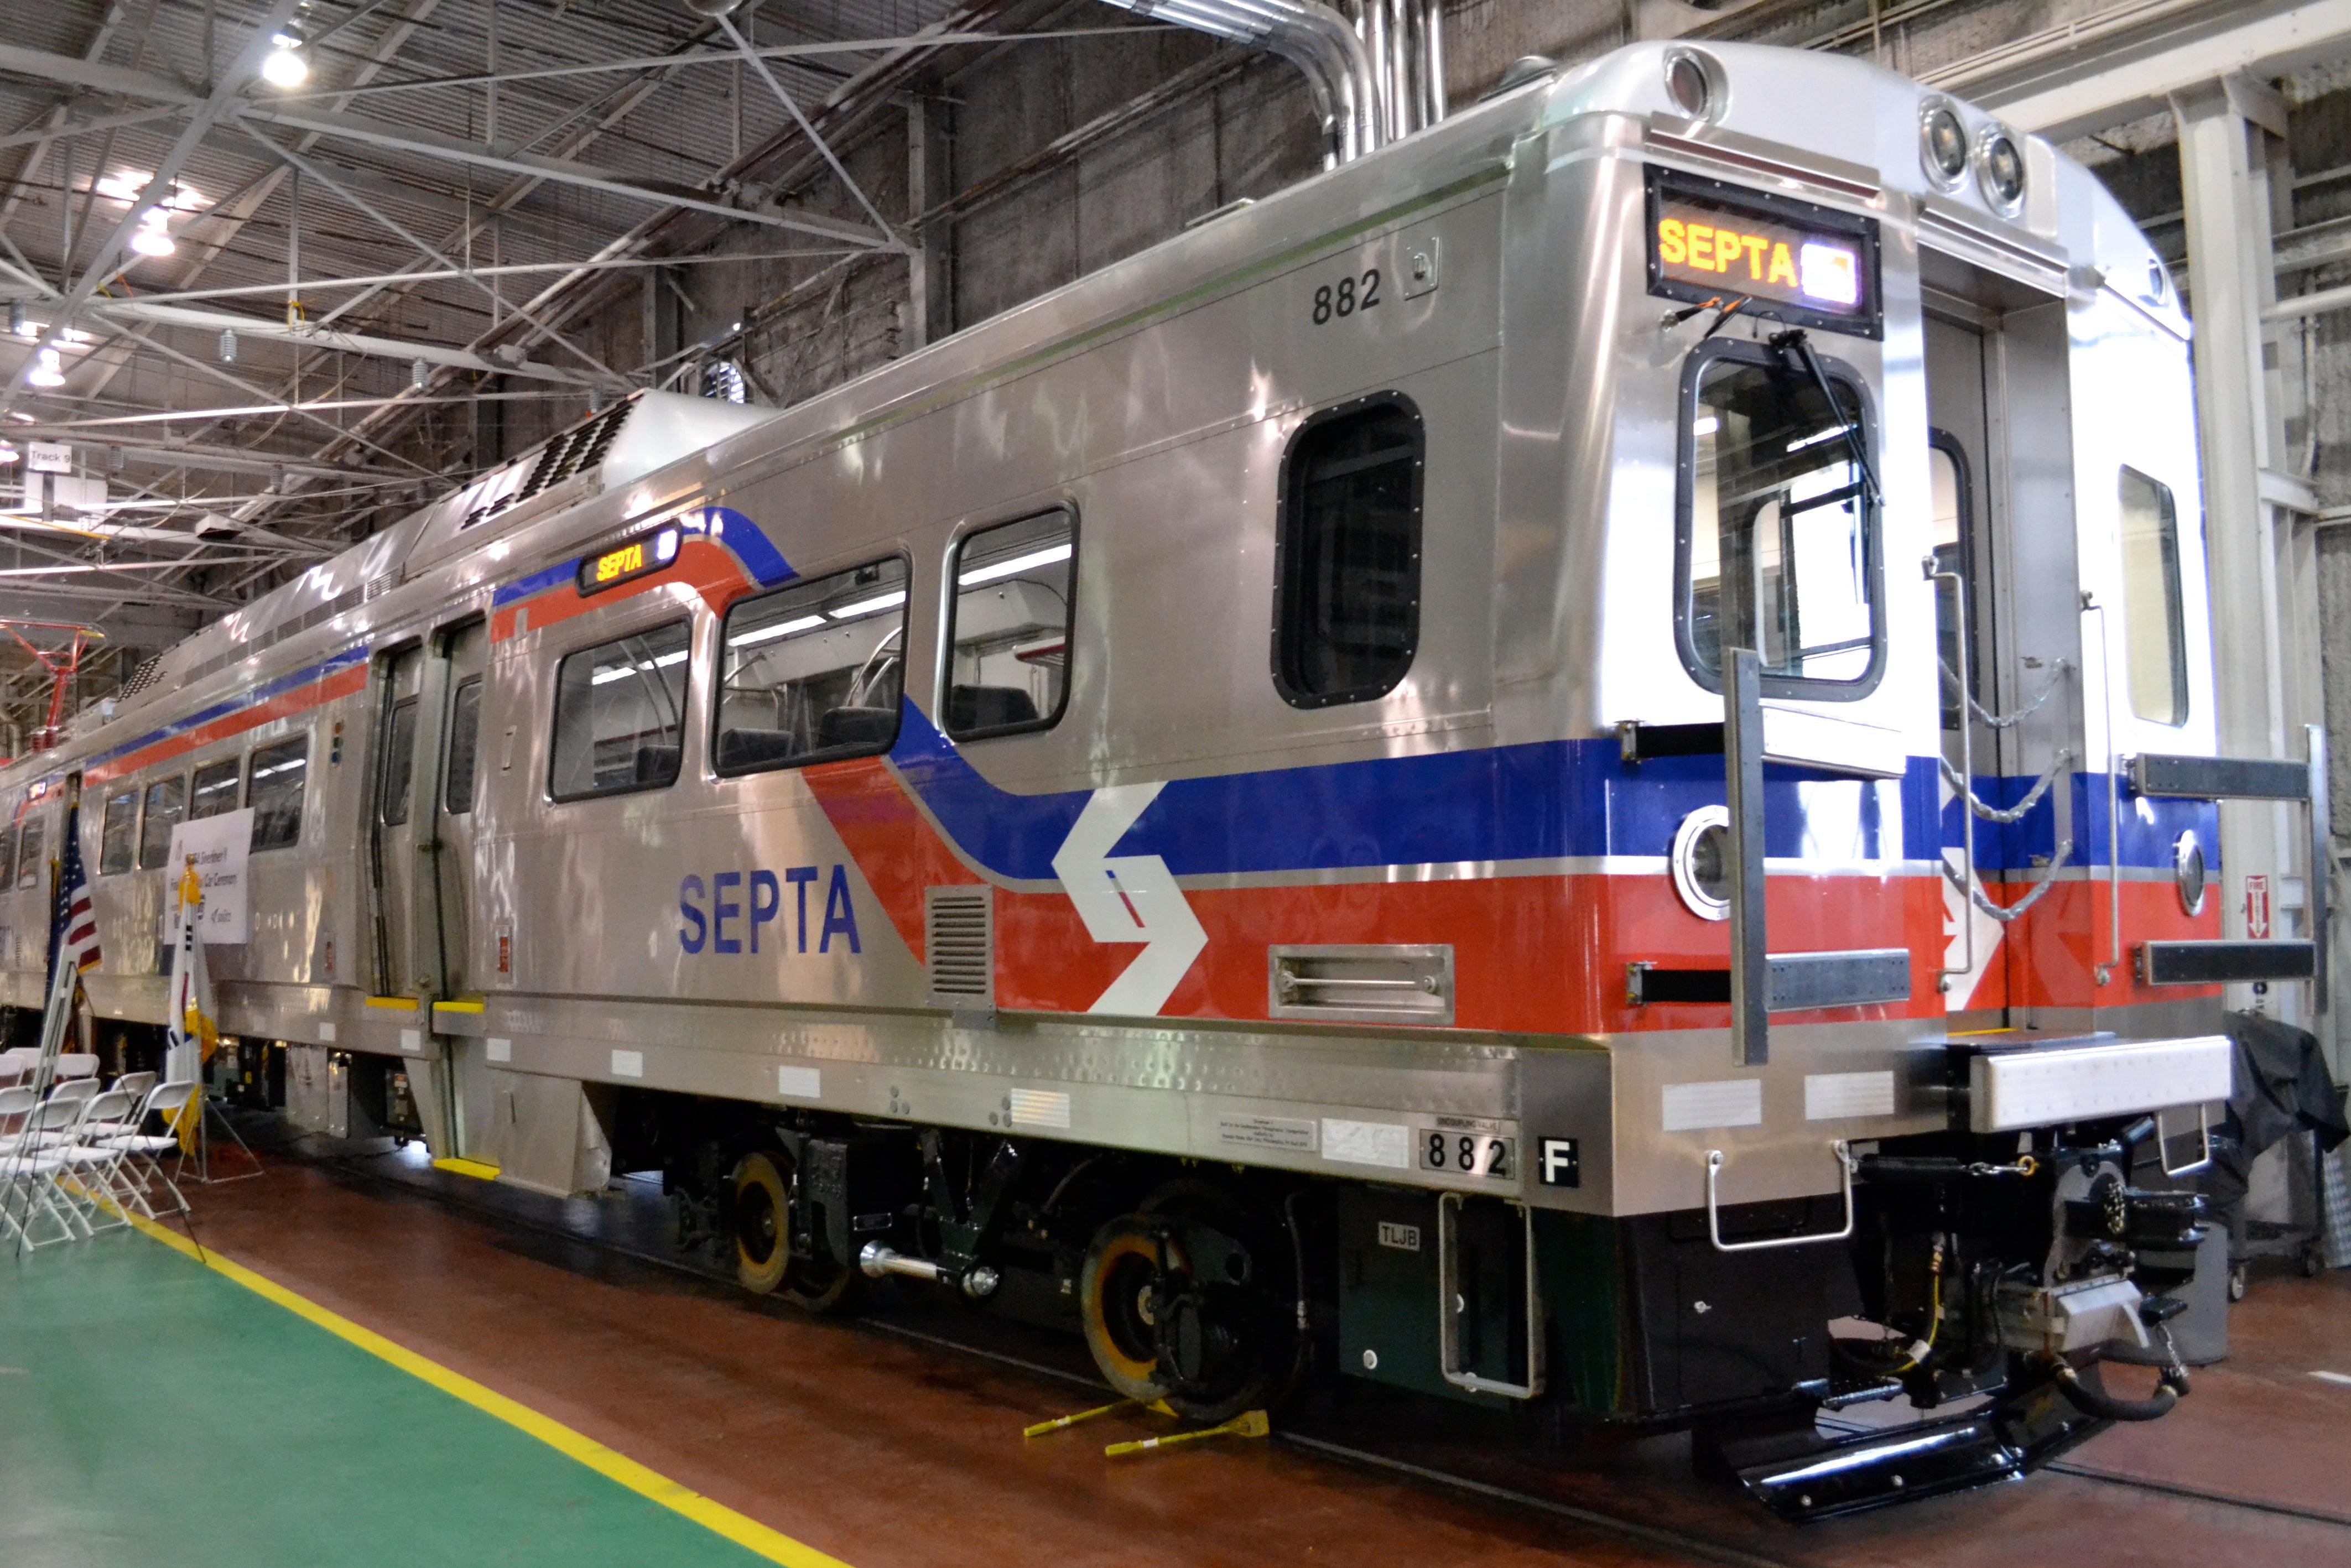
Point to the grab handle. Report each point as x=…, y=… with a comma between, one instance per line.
x=1713, y=1208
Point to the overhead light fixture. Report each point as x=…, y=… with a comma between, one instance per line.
x=417, y=374
x=284, y=66
x=48, y=371
x=151, y=237
x=8, y=452
x=228, y=346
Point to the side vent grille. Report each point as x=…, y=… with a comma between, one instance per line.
x=1397, y=983
x=959, y=946
x=143, y=677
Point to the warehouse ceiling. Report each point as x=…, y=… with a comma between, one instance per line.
x=258, y=287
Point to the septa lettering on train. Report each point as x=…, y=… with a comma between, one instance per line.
x=724, y=914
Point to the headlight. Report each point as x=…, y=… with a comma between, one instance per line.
x=1700, y=863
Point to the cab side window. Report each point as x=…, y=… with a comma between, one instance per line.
x=118, y=832
x=30, y=864
x=2155, y=622
x=811, y=672
x=620, y=714
x=1010, y=627
x=167, y=802
x=1347, y=554
x=8, y=858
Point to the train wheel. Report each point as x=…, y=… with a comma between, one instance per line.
x=825, y=1285
x=762, y=1225
x=1115, y=1303
x=1225, y=1330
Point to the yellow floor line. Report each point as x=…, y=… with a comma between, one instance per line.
x=748, y=1533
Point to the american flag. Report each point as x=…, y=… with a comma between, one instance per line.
x=73, y=923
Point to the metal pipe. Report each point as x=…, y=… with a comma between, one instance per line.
x=979, y=1282
x=1312, y=37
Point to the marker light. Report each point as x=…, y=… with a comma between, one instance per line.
x=284, y=65
x=48, y=371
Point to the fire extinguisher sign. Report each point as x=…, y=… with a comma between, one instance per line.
x=2256, y=908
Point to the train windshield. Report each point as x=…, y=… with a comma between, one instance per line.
x=1779, y=546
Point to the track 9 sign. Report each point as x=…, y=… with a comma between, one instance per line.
x=1789, y=260
x=649, y=552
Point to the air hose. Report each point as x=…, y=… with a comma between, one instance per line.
x=2091, y=1401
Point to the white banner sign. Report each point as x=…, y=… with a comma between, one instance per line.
x=220, y=845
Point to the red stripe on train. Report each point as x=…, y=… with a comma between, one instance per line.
x=285, y=704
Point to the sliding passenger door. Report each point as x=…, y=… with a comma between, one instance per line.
x=460, y=656
x=393, y=827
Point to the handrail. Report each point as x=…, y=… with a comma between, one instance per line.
x=1843, y=1153
x=1943, y=972
x=1448, y=1294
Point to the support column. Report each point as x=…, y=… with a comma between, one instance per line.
x=2264, y=648
x=929, y=310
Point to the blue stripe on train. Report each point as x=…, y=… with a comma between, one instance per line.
x=237, y=703
x=2150, y=826
x=1540, y=801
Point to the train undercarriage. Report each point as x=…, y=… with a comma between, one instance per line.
x=1982, y=1282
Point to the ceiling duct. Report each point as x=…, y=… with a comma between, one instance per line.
x=1324, y=45
x=1405, y=41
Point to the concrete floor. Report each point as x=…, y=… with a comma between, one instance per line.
x=157, y=1411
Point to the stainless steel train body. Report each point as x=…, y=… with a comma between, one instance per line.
x=1257, y=710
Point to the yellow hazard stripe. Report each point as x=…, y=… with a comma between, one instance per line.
x=747, y=1534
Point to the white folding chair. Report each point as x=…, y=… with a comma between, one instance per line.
x=17, y=1107
x=76, y=1064
x=143, y=1152
x=94, y=1162
x=34, y=1169
x=16, y=1063
x=133, y=1084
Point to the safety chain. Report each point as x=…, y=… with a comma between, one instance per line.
x=2015, y=813
x=2010, y=911
x=2009, y=721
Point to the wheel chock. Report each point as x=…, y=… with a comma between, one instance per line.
x=1247, y=1424
x=1059, y=1423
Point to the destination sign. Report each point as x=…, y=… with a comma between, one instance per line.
x=647, y=553
x=1788, y=260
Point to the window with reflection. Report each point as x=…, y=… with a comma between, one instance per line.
x=215, y=788
x=167, y=803
x=398, y=762
x=118, y=833
x=31, y=864
x=464, y=745
x=620, y=714
x=1347, y=588
x=1009, y=628
x=1778, y=548
x=812, y=672
x=275, y=792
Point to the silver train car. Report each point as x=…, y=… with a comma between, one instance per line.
x=1207, y=809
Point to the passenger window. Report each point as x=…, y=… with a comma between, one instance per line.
x=29, y=863
x=1778, y=548
x=1347, y=554
x=118, y=833
x=8, y=858
x=620, y=711
x=2155, y=622
x=1010, y=627
x=275, y=792
x=398, y=762
x=215, y=788
x=167, y=802
x=811, y=672
x=465, y=745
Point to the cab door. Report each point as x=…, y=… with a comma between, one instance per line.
x=2000, y=457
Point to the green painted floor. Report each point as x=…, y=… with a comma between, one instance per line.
x=155, y=1413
